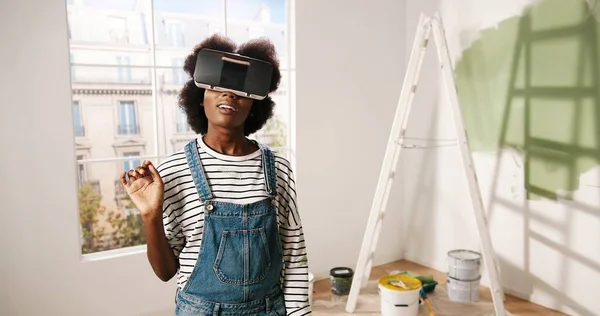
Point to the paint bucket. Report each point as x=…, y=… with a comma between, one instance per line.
x=464, y=265
x=311, y=279
x=341, y=280
x=463, y=291
x=399, y=295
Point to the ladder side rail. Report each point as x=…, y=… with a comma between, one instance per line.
x=364, y=264
x=469, y=168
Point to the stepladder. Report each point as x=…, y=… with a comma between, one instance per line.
x=427, y=26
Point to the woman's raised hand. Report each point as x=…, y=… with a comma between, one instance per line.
x=145, y=188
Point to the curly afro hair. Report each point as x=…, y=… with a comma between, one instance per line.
x=191, y=97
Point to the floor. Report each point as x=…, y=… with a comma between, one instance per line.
x=324, y=303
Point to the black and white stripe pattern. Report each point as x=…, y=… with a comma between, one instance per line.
x=235, y=179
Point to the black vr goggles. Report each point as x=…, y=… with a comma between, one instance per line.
x=244, y=76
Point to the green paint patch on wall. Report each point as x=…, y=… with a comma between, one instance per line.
x=532, y=83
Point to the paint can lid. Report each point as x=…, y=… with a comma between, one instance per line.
x=400, y=282
x=464, y=254
x=341, y=272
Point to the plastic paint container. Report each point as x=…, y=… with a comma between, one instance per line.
x=464, y=265
x=311, y=279
x=399, y=295
x=463, y=291
x=341, y=280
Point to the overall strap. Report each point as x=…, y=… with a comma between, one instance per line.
x=193, y=160
x=268, y=162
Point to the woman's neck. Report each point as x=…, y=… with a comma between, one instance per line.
x=228, y=142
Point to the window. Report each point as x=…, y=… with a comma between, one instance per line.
x=175, y=33
x=128, y=124
x=78, y=120
x=128, y=65
x=178, y=72
x=124, y=73
x=82, y=176
x=182, y=124
x=129, y=164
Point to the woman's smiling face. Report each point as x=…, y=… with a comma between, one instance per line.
x=226, y=109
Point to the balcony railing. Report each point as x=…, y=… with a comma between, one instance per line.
x=128, y=129
x=119, y=189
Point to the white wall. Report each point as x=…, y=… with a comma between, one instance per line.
x=350, y=65
x=41, y=270
x=338, y=158
x=548, y=251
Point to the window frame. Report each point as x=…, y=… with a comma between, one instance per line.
x=135, y=142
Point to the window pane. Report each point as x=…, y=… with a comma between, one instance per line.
x=111, y=77
x=77, y=120
x=108, y=218
x=247, y=19
x=182, y=24
x=111, y=117
x=123, y=108
x=275, y=132
x=109, y=22
x=176, y=129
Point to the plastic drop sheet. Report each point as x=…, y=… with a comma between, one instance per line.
x=369, y=304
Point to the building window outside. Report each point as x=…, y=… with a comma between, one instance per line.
x=124, y=73
x=178, y=72
x=130, y=164
x=78, y=120
x=115, y=41
x=182, y=124
x=128, y=124
x=175, y=33
x=82, y=176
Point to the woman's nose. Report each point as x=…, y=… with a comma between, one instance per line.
x=229, y=94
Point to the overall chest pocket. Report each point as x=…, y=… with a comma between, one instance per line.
x=243, y=257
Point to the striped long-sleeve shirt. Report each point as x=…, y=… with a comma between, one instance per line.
x=234, y=179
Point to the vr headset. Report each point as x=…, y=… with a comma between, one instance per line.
x=244, y=76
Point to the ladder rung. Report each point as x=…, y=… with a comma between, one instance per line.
x=556, y=92
x=553, y=33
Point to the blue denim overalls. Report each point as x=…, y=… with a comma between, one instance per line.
x=240, y=259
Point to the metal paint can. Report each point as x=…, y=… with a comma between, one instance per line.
x=464, y=265
x=463, y=291
x=341, y=280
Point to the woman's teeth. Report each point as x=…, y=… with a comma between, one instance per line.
x=225, y=106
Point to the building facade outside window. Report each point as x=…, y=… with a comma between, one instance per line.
x=126, y=72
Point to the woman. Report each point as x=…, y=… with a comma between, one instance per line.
x=222, y=214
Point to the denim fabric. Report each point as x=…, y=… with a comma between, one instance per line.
x=240, y=258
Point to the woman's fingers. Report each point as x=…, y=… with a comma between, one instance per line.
x=133, y=175
x=152, y=170
x=141, y=171
x=124, y=179
x=145, y=170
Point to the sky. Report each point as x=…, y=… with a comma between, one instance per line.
x=236, y=9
